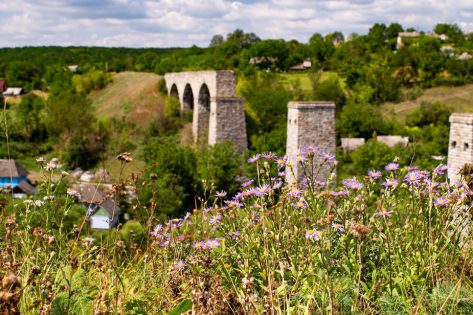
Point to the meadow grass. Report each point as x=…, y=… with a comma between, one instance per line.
x=396, y=241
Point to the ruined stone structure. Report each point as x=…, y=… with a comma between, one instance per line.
x=218, y=115
x=310, y=123
x=460, y=148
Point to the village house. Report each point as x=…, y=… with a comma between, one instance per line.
x=13, y=177
x=307, y=64
x=3, y=86
x=13, y=91
x=106, y=214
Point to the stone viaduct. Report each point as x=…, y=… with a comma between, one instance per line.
x=310, y=123
x=460, y=148
x=217, y=114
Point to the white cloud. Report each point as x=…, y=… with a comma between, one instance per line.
x=165, y=23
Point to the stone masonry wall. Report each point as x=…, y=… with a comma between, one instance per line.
x=310, y=123
x=460, y=147
x=227, y=121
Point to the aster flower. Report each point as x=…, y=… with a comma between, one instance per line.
x=281, y=161
x=383, y=213
x=392, y=167
x=268, y=155
x=311, y=150
x=412, y=178
x=338, y=227
x=412, y=168
x=87, y=241
x=441, y=201
x=327, y=157
x=157, y=230
x=312, y=235
x=390, y=182
x=295, y=192
x=254, y=158
x=73, y=193
x=299, y=157
x=374, y=174
x=233, y=235
x=220, y=194
x=180, y=265
x=300, y=204
x=247, y=183
x=199, y=245
x=262, y=190
x=440, y=169
x=215, y=219
x=352, y=183
x=254, y=217
x=165, y=243
x=212, y=243
x=282, y=174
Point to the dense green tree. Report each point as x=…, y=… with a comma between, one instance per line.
x=216, y=40
x=453, y=31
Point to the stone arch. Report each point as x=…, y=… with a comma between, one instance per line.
x=188, y=98
x=174, y=91
x=200, y=121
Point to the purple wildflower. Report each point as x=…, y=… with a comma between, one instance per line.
x=374, y=174
x=262, y=190
x=220, y=194
x=199, y=245
x=299, y=157
x=441, y=201
x=254, y=217
x=247, y=183
x=383, y=213
x=180, y=265
x=157, y=230
x=254, y=158
x=311, y=150
x=441, y=169
x=300, y=204
x=352, y=183
x=390, y=182
x=392, y=167
x=412, y=178
x=165, y=243
x=338, y=227
x=281, y=161
x=212, y=243
x=268, y=155
x=277, y=185
x=312, y=235
x=87, y=241
x=295, y=192
x=412, y=168
x=233, y=235
x=215, y=219
x=282, y=174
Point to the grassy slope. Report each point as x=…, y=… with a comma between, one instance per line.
x=134, y=97
x=459, y=98
x=131, y=95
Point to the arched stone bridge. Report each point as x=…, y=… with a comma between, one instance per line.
x=218, y=115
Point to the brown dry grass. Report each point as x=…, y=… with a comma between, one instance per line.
x=132, y=96
x=459, y=98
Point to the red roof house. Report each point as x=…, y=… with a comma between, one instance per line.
x=3, y=85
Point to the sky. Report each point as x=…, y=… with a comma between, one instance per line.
x=183, y=23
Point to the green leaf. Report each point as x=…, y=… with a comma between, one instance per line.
x=183, y=307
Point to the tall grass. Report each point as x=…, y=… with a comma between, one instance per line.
x=396, y=241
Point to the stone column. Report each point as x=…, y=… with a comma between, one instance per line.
x=310, y=123
x=460, y=146
x=227, y=121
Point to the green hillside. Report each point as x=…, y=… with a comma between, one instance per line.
x=460, y=98
x=132, y=96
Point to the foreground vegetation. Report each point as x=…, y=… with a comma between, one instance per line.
x=395, y=241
